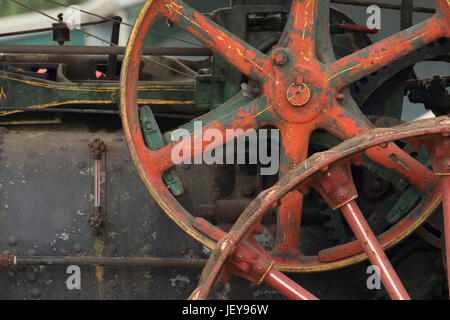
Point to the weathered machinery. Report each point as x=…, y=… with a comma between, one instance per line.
x=300, y=67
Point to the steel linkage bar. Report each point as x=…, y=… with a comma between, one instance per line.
x=286, y=286
x=381, y=5
x=16, y=33
x=103, y=50
x=8, y=260
x=374, y=252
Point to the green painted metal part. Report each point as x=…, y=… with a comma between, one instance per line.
x=407, y=201
x=223, y=80
x=154, y=141
x=398, y=206
x=329, y=141
x=21, y=93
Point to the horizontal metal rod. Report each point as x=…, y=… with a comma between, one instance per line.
x=110, y=261
x=382, y=5
x=16, y=33
x=103, y=111
x=103, y=50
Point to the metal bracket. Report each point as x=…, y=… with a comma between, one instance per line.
x=154, y=141
x=96, y=216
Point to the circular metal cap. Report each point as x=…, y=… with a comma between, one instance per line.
x=298, y=94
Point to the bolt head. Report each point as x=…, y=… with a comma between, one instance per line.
x=258, y=267
x=280, y=57
x=446, y=164
x=330, y=174
x=341, y=194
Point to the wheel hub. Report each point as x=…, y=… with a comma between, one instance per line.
x=298, y=94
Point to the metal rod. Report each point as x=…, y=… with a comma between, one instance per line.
x=445, y=185
x=16, y=33
x=103, y=50
x=112, y=61
x=381, y=5
x=374, y=252
x=111, y=261
x=286, y=286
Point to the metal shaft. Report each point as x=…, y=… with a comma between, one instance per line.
x=286, y=286
x=110, y=261
x=445, y=183
x=102, y=50
x=374, y=251
x=381, y=5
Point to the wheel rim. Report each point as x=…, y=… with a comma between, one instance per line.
x=239, y=239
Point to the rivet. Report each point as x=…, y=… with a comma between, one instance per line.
x=30, y=277
x=12, y=241
x=112, y=284
x=76, y=247
x=341, y=194
x=446, y=164
x=340, y=97
x=35, y=293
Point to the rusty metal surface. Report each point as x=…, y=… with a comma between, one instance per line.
x=44, y=204
x=8, y=260
x=301, y=93
x=321, y=81
x=227, y=246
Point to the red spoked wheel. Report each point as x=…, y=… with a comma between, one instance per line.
x=329, y=174
x=303, y=88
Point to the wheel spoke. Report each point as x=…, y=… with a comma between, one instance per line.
x=247, y=59
x=360, y=64
x=324, y=48
x=294, y=150
x=374, y=251
x=300, y=30
x=345, y=124
x=235, y=114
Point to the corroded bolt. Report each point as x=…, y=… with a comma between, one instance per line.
x=330, y=174
x=341, y=194
x=340, y=97
x=258, y=267
x=238, y=255
x=279, y=56
x=35, y=293
x=446, y=164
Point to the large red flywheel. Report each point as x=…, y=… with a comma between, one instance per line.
x=303, y=88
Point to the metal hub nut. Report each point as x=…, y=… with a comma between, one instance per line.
x=298, y=94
